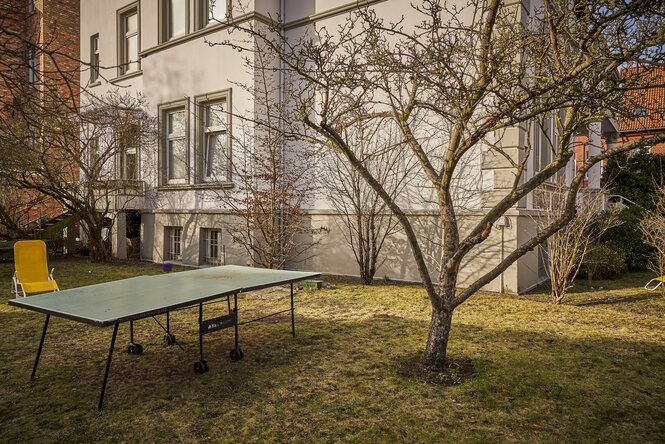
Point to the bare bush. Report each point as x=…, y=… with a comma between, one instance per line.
x=566, y=249
x=652, y=227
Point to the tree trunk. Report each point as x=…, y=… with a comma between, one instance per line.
x=437, y=340
x=98, y=249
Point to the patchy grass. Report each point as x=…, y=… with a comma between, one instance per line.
x=591, y=369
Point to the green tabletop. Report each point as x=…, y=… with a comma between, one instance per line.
x=139, y=297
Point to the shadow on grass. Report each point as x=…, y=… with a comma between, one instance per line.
x=337, y=380
x=640, y=297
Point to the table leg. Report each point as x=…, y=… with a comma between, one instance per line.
x=235, y=309
x=133, y=349
x=293, y=319
x=39, y=350
x=201, y=331
x=236, y=352
x=108, y=366
x=201, y=366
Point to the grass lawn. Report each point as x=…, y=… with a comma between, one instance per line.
x=590, y=370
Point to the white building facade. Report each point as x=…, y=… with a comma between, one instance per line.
x=161, y=50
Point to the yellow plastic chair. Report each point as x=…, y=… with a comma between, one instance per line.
x=658, y=279
x=31, y=273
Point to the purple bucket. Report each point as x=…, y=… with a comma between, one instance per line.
x=166, y=268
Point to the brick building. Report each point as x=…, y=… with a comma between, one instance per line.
x=648, y=101
x=40, y=44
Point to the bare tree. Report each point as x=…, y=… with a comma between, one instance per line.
x=273, y=181
x=453, y=82
x=18, y=210
x=652, y=227
x=82, y=156
x=364, y=216
x=566, y=249
x=86, y=162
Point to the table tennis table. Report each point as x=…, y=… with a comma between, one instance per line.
x=128, y=300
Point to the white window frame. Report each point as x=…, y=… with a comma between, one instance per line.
x=212, y=242
x=122, y=159
x=203, y=133
x=94, y=58
x=169, y=137
x=125, y=65
x=175, y=243
x=209, y=131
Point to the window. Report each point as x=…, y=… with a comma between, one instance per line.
x=213, y=247
x=128, y=45
x=176, y=146
x=93, y=148
x=32, y=137
x=175, y=243
x=94, y=58
x=174, y=18
x=211, y=11
x=32, y=63
x=215, y=153
x=128, y=142
x=545, y=141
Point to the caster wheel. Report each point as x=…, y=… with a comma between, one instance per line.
x=135, y=349
x=236, y=354
x=201, y=366
x=169, y=339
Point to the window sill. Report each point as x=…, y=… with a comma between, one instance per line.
x=196, y=186
x=129, y=75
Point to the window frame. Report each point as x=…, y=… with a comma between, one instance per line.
x=163, y=28
x=164, y=110
x=93, y=152
x=543, y=142
x=202, y=132
x=94, y=58
x=202, y=13
x=124, y=64
x=208, y=258
x=122, y=151
x=32, y=68
x=174, y=237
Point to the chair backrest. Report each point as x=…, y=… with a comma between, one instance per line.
x=30, y=261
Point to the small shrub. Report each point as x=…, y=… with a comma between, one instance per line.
x=605, y=262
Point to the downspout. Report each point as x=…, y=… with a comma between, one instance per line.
x=280, y=83
x=503, y=224
x=502, y=254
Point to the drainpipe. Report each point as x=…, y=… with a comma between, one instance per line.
x=280, y=81
x=503, y=224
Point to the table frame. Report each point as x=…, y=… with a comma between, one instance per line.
x=167, y=310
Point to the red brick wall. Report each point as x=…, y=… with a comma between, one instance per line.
x=54, y=25
x=632, y=136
